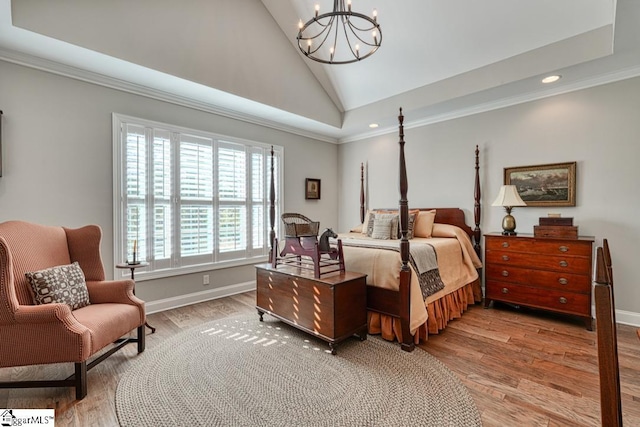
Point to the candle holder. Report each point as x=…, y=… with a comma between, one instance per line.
x=135, y=261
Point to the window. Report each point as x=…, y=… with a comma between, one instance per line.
x=187, y=200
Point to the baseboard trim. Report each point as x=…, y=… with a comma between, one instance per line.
x=624, y=317
x=628, y=318
x=196, y=297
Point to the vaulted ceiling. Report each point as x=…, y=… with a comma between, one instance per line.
x=438, y=59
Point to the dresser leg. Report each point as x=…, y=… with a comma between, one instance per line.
x=487, y=302
x=588, y=323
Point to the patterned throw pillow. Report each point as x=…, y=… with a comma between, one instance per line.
x=373, y=216
x=64, y=283
x=382, y=228
x=412, y=223
x=368, y=224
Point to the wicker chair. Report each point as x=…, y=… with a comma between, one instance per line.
x=297, y=225
x=54, y=332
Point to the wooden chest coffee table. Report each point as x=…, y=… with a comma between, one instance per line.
x=332, y=308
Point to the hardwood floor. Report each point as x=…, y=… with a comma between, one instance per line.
x=522, y=368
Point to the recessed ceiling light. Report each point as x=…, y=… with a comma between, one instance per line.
x=373, y=125
x=551, y=79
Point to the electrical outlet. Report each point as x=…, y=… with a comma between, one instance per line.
x=205, y=279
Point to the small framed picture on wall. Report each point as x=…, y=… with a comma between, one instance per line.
x=312, y=189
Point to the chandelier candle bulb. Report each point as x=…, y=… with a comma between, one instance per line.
x=349, y=5
x=317, y=9
x=375, y=15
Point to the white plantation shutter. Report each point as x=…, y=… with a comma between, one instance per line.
x=232, y=190
x=258, y=195
x=136, y=191
x=189, y=199
x=196, y=199
x=162, y=210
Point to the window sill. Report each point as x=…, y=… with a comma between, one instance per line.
x=141, y=275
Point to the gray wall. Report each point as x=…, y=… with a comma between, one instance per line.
x=598, y=128
x=57, y=147
x=234, y=46
x=57, y=161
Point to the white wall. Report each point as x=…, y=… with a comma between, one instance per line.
x=599, y=128
x=57, y=161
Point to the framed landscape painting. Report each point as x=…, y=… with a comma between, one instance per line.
x=544, y=185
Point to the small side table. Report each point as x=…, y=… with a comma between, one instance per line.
x=133, y=267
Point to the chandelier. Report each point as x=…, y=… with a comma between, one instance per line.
x=350, y=36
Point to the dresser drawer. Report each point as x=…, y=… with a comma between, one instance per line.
x=564, y=302
x=549, y=273
x=547, y=246
x=565, y=282
x=560, y=263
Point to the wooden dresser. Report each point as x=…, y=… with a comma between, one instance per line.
x=548, y=273
x=333, y=307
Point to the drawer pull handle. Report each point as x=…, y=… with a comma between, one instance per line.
x=505, y=273
x=505, y=290
x=562, y=300
x=563, y=281
x=563, y=249
x=505, y=258
x=505, y=244
x=564, y=264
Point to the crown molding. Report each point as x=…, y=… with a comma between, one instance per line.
x=64, y=70
x=586, y=83
x=57, y=68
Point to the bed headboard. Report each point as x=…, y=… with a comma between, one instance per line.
x=453, y=216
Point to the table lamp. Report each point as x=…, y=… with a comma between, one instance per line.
x=508, y=197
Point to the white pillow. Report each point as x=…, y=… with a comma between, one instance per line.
x=382, y=228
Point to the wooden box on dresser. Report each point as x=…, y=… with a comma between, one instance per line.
x=548, y=273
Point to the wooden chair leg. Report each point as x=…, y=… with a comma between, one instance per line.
x=81, y=380
x=141, y=338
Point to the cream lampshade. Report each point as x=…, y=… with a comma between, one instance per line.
x=508, y=197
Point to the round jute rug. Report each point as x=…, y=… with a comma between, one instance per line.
x=242, y=372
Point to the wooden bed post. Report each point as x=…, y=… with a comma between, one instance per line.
x=407, y=343
x=362, y=210
x=272, y=212
x=476, y=208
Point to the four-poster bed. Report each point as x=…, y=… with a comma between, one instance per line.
x=397, y=304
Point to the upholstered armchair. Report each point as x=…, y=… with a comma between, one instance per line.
x=35, y=328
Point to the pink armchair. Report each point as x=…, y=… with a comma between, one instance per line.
x=33, y=334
